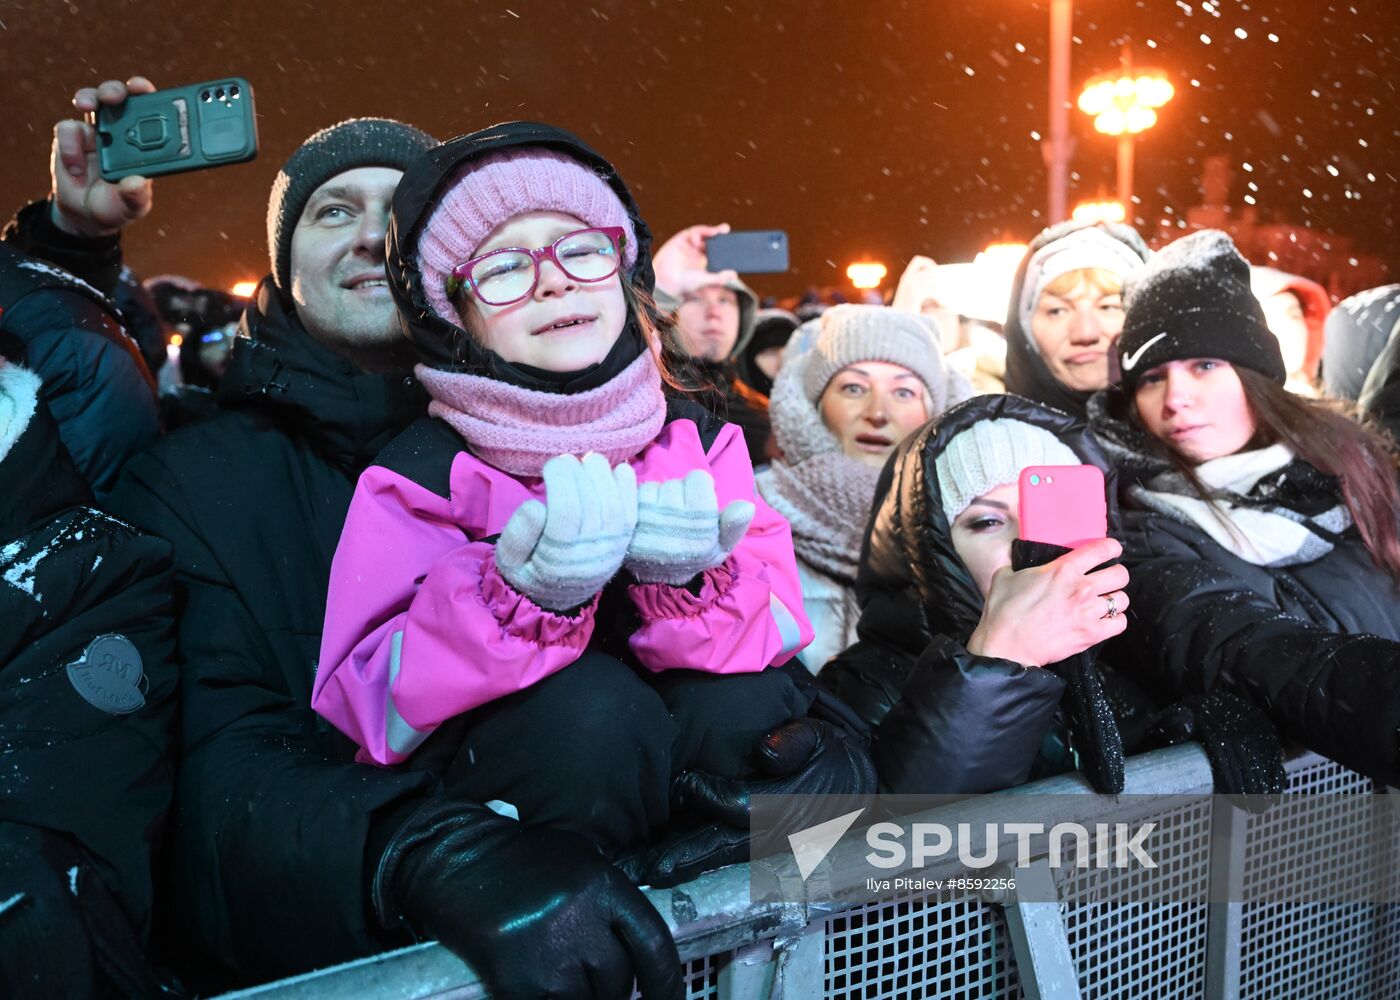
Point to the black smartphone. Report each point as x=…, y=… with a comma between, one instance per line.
x=757, y=251
x=171, y=131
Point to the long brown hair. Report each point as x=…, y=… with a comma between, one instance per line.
x=1338, y=440
x=656, y=329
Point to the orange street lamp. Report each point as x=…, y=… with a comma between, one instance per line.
x=1059, y=147
x=1099, y=211
x=866, y=274
x=1124, y=104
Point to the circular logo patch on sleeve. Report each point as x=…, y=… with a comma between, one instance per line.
x=108, y=675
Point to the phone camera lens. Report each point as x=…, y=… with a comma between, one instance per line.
x=219, y=94
x=1035, y=480
x=234, y=92
x=205, y=96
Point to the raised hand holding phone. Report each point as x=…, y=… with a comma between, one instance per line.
x=83, y=203
x=681, y=265
x=1048, y=613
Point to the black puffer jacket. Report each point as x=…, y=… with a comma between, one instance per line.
x=272, y=815
x=1026, y=372
x=1313, y=644
x=1380, y=393
x=98, y=261
x=96, y=384
x=943, y=719
x=87, y=705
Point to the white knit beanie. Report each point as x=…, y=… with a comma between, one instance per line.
x=992, y=453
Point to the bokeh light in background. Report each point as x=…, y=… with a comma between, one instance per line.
x=883, y=129
x=866, y=274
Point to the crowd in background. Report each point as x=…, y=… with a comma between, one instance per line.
x=483, y=564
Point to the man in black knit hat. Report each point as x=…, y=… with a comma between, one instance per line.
x=269, y=851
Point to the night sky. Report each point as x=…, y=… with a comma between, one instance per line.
x=877, y=129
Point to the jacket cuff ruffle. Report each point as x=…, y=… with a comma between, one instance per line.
x=662, y=601
x=521, y=617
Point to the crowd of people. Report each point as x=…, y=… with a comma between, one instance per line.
x=502, y=557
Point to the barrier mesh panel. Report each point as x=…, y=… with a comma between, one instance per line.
x=1336, y=950
x=1144, y=948
x=940, y=945
x=916, y=946
x=701, y=978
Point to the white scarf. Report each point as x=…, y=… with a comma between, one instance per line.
x=19, y=393
x=1265, y=536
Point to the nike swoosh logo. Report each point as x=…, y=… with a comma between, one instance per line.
x=1130, y=360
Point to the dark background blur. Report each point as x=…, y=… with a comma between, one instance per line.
x=877, y=129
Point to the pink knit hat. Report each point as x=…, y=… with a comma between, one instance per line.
x=487, y=192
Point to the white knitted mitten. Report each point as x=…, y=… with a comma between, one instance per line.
x=561, y=552
x=680, y=530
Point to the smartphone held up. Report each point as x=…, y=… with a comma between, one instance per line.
x=171, y=131
x=1062, y=504
x=758, y=251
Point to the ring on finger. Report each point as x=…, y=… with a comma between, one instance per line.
x=1113, y=611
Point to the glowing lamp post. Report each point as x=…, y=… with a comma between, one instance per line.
x=866, y=274
x=1124, y=104
x=1099, y=211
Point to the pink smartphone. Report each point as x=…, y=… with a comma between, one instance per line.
x=1063, y=504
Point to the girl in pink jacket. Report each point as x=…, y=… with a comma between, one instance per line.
x=558, y=588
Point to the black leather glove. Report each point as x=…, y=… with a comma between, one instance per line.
x=1093, y=729
x=1246, y=757
x=806, y=757
x=536, y=912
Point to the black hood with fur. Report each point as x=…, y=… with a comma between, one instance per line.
x=909, y=563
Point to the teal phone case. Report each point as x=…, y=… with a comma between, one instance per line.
x=171, y=131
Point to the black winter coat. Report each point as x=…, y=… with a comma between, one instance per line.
x=943, y=719
x=95, y=383
x=85, y=741
x=98, y=261
x=1314, y=645
x=272, y=815
x=1380, y=394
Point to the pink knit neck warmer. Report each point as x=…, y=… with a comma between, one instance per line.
x=518, y=430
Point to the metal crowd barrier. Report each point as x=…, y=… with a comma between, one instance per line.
x=1096, y=942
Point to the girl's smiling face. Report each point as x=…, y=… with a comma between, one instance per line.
x=564, y=325
x=982, y=534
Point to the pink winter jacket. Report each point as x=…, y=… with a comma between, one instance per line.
x=421, y=627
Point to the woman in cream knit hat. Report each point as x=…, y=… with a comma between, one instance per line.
x=853, y=385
